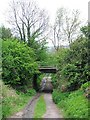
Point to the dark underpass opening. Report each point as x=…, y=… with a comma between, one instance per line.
x=46, y=83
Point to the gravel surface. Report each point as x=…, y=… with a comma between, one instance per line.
x=51, y=109
x=29, y=111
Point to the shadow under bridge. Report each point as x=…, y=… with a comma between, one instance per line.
x=43, y=70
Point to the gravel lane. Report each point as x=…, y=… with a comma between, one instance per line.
x=51, y=109
x=29, y=111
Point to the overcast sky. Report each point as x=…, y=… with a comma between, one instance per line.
x=51, y=6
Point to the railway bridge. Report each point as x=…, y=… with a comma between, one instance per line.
x=48, y=69
x=43, y=69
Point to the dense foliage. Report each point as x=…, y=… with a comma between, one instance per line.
x=73, y=104
x=40, y=54
x=5, y=33
x=71, y=83
x=73, y=64
x=19, y=64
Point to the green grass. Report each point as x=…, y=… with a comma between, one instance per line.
x=12, y=105
x=40, y=108
x=12, y=101
x=73, y=104
x=0, y=111
x=0, y=99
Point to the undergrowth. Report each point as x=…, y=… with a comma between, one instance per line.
x=13, y=101
x=73, y=104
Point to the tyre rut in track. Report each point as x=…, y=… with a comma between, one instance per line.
x=29, y=110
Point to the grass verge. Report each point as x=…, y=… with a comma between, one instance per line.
x=73, y=104
x=12, y=101
x=40, y=108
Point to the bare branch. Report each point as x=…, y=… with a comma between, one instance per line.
x=66, y=27
x=28, y=19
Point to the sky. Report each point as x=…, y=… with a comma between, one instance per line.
x=51, y=6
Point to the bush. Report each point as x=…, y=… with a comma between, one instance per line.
x=85, y=85
x=31, y=92
x=73, y=65
x=18, y=63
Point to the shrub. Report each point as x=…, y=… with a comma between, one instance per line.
x=31, y=92
x=73, y=65
x=18, y=63
x=85, y=85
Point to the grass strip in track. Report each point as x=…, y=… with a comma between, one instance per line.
x=40, y=107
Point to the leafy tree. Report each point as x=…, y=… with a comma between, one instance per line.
x=5, y=33
x=86, y=31
x=73, y=64
x=30, y=25
x=18, y=63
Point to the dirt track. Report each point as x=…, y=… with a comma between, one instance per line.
x=51, y=109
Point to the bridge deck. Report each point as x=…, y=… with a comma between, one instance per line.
x=48, y=69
